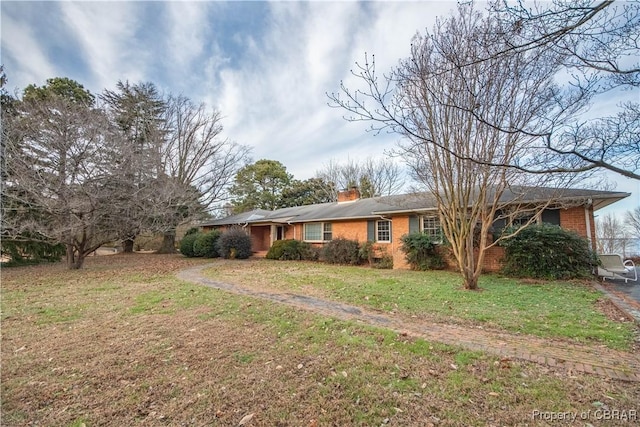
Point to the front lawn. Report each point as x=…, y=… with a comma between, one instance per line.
x=123, y=342
x=544, y=309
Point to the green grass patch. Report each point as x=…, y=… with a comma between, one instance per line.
x=547, y=309
x=166, y=352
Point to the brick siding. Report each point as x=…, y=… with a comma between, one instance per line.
x=571, y=219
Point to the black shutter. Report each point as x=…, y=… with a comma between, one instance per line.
x=371, y=231
x=414, y=224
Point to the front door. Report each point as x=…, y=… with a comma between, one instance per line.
x=279, y=232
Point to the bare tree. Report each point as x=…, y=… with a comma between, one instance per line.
x=58, y=182
x=176, y=163
x=612, y=235
x=374, y=178
x=199, y=166
x=598, y=42
x=632, y=221
x=421, y=100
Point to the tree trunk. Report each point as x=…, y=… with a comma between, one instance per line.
x=70, y=256
x=127, y=246
x=470, y=282
x=75, y=260
x=168, y=243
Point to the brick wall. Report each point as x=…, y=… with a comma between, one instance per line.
x=570, y=219
x=574, y=219
x=399, y=228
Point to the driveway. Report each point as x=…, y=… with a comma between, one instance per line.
x=625, y=295
x=629, y=290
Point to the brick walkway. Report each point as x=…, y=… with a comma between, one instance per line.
x=598, y=360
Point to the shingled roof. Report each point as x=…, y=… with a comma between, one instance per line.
x=376, y=207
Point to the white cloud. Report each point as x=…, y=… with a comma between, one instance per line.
x=17, y=39
x=107, y=33
x=186, y=26
x=277, y=102
x=267, y=73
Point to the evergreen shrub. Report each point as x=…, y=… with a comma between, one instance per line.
x=546, y=251
x=291, y=250
x=186, y=244
x=234, y=243
x=31, y=249
x=206, y=244
x=421, y=252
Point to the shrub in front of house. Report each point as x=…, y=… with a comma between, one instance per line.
x=342, y=251
x=546, y=251
x=186, y=244
x=421, y=252
x=234, y=243
x=206, y=244
x=377, y=256
x=291, y=250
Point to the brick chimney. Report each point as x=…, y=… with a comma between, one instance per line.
x=349, y=195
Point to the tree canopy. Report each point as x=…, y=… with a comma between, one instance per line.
x=260, y=186
x=435, y=104
x=84, y=173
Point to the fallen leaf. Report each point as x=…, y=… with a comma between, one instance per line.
x=246, y=419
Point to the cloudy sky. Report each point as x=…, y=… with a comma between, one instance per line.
x=266, y=66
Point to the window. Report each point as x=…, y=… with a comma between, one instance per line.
x=318, y=232
x=383, y=231
x=524, y=219
x=327, y=235
x=431, y=227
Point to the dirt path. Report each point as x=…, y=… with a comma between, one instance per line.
x=597, y=360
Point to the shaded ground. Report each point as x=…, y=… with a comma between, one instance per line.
x=124, y=342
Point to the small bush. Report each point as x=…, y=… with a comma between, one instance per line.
x=342, y=251
x=206, y=244
x=377, y=256
x=186, y=244
x=421, y=252
x=291, y=250
x=234, y=243
x=545, y=251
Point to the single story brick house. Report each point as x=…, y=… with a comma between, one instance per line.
x=384, y=220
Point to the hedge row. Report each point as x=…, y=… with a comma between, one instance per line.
x=232, y=243
x=337, y=251
x=539, y=251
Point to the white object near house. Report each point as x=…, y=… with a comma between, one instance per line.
x=614, y=267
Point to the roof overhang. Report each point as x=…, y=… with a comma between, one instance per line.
x=601, y=202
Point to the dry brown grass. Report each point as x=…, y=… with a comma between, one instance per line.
x=125, y=343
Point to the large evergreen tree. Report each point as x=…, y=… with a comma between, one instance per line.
x=58, y=182
x=260, y=186
x=138, y=110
